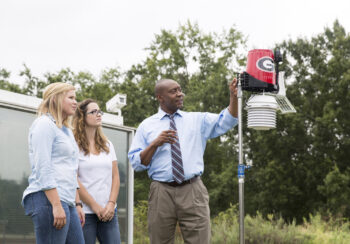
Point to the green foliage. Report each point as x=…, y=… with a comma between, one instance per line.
x=292, y=163
x=225, y=226
x=337, y=192
x=299, y=168
x=33, y=85
x=5, y=84
x=332, y=231
x=141, y=186
x=202, y=63
x=258, y=230
x=140, y=223
x=87, y=86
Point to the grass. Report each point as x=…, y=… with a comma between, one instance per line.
x=258, y=230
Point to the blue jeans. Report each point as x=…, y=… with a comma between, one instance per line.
x=38, y=207
x=106, y=232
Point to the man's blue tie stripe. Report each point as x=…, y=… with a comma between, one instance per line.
x=176, y=159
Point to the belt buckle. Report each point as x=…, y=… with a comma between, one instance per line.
x=173, y=184
x=189, y=181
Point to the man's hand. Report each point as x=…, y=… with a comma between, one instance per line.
x=167, y=136
x=233, y=106
x=59, y=216
x=233, y=88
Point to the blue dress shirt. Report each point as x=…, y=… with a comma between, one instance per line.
x=193, y=128
x=53, y=156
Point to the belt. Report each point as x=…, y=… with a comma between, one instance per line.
x=175, y=184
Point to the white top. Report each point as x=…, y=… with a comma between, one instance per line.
x=95, y=173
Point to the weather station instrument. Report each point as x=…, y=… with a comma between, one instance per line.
x=263, y=79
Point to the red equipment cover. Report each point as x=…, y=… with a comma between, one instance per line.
x=260, y=65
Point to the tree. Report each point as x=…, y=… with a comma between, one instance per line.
x=337, y=192
x=293, y=161
x=33, y=85
x=300, y=167
x=203, y=64
x=5, y=84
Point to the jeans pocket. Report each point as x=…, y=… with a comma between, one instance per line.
x=28, y=205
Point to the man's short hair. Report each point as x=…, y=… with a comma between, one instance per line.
x=158, y=88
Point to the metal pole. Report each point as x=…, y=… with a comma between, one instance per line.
x=130, y=237
x=241, y=210
x=241, y=166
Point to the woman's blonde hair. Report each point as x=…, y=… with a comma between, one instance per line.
x=79, y=125
x=52, y=102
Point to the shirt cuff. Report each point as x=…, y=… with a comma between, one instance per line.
x=135, y=160
x=49, y=186
x=227, y=116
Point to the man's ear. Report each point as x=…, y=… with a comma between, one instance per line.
x=159, y=98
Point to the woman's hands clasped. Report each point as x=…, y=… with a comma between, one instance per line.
x=104, y=214
x=108, y=212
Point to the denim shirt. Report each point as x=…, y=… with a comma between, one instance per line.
x=193, y=128
x=53, y=156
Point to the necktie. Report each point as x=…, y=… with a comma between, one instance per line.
x=176, y=159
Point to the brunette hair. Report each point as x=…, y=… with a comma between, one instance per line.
x=80, y=133
x=53, y=96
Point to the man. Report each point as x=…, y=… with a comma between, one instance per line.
x=170, y=145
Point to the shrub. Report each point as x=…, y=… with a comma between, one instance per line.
x=258, y=230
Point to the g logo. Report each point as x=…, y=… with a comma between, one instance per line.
x=265, y=64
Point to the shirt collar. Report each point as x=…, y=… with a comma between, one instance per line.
x=161, y=114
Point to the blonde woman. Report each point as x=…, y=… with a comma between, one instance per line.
x=51, y=197
x=98, y=175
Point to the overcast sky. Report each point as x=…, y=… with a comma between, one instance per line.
x=92, y=35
